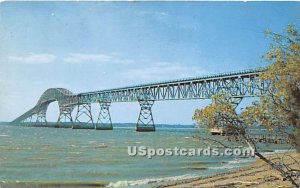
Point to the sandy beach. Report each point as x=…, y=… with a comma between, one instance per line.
x=258, y=174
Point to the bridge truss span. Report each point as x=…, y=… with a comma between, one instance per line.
x=235, y=85
x=238, y=84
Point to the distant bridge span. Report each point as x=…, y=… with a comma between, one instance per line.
x=237, y=85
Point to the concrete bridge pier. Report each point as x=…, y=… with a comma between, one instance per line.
x=104, y=119
x=84, y=118
x=145, y=121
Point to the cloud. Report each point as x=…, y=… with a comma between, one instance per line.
x=33, y=58
x=98, y=58
x=80, y=57
x=163, y=71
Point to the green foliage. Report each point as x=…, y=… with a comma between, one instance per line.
x=280, y=108
x=216, y=113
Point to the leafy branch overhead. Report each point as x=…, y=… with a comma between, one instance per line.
x=278, y=110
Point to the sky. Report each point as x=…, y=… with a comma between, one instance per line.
x=88, y=46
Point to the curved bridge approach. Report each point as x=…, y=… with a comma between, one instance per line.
x=236, y=85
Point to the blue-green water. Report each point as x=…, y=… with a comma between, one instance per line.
x=67, y=155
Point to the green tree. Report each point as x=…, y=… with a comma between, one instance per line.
x=279, y=109
x=282, y=105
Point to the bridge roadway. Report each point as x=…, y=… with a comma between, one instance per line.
x=237, y=85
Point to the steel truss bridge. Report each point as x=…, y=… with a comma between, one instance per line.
x=236, y=85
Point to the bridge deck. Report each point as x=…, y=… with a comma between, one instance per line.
x=237, y=84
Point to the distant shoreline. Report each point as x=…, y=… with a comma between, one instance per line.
x=129, y=124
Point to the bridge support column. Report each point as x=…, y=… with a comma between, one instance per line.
x=41, y=119
x=84, y=111
x=40, y=115
x=27, y=121
x=145, y=120
x=104, y=119
x=65, y=116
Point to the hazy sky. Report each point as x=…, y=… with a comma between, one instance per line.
x=86, y=46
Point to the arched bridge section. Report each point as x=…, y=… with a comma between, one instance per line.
x=237, y=85
x=66, y=100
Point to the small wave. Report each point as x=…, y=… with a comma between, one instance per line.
x=222, y=167
x=232, y=164
x=277, y=151
x=241, y=160
x=4, y=135
x=77, y=153
x=119, y=184
x=150, y=181
x=283, y=150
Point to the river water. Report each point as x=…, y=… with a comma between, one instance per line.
x=44, y=155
